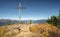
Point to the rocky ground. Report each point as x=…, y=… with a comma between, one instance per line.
x=27, y=30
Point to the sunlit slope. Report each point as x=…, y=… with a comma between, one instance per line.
x=46, y=30
x=29, y=30
x=9, y=30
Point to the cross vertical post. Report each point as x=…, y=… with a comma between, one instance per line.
x=19, y=11
x=19, y=8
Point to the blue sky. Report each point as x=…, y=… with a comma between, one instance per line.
x=35, y=9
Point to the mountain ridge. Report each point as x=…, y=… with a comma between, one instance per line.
x=5, y=21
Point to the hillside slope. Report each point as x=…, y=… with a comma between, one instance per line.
x=46, y=30
x=25, y=30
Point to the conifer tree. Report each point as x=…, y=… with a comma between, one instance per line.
x=30, y=21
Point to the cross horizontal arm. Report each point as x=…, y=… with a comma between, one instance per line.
x=21, y=7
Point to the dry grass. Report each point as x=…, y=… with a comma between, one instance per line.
x=8, y=31
x=46, y=30
x=38, y=30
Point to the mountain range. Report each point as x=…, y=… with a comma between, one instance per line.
x=6, y=21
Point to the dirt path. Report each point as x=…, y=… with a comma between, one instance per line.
x=25, y=32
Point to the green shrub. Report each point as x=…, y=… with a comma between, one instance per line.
x=54, y=20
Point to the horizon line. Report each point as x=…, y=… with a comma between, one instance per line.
x=23, y=19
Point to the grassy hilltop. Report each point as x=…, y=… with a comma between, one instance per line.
x=33, y=30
